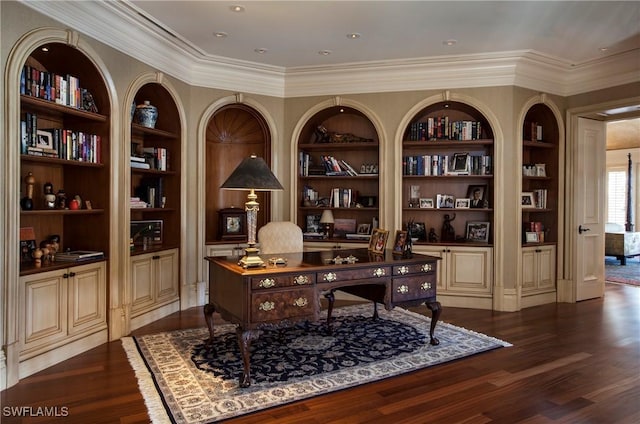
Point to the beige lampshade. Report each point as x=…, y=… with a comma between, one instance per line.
x=327, y=217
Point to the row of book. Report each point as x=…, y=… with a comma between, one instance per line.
x=152, y=158
x=532, y=131
x=151, y=192
x=441, y=128
x=540, y=198
x=437, y=165
x=58, y=143
x=61, y=89
x=341, y=198
x=335, y=166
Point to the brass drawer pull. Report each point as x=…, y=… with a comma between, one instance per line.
x=301, y=302
x=330, y=276
x=267, y=306
x=427, y=268
x=425, y=286
x=301, y=279
x=379, y=272
x=403, y=270
x=403, y=289
x=267, y=283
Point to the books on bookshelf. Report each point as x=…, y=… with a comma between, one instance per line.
x=438, y=165
x=157, y=158
x=61, y=89
x=441, y=128
x=137, y=203
x=341, y=198
x=79, y=255
x=532, y=131
x=332, y=166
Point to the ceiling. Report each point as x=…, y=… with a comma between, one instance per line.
x=291, y=34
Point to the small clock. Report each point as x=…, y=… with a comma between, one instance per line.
x=232, y=224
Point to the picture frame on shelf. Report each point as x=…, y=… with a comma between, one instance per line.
x=399, y=242
x=313, y=223
x=363, y=229
x=418, y=230
x=477, y=194
x=45, y=140
x=378, y=240
x=460, y=164
x=463, y=203
x=478, y=231
x=232, y=224
x=343, y=226
x=444, y=201
x=426, y=203
x=527, y=200
x=532, y=237
x=541, y=170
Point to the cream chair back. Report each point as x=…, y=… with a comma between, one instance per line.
x=280, y=237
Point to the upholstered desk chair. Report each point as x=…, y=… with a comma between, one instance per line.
x=280, y=237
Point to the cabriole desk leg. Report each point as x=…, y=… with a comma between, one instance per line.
x=244, y=342
x=436, y=310
x=209, y=310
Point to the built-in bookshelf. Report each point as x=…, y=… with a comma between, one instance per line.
x=64, y=145
x=447, y=175
x=338, y=168
x=155, y=174
x=540, y=170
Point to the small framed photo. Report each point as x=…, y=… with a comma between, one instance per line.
x=45, y=140
x=477, y=195
x=531, y=237
x=426, y=203
x=400, y=241
x=478, y=231
x=527, y=200
x=460, y=164
x=378, y=240
x=541, y=170
x=445, y=201
x=364, y=228
x=463, y=203
x=233, y=224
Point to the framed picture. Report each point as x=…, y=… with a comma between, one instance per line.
x=531, y=237
x=45, y=140
x=151, y=230
x=343, y=226
x=364, y=228
x=478, y=196
x=378, y=240
x=232, y=224
x=426, y=203
x=463, y=203
x=460, y=164
x=444, y=201
x=400, y=241
x=418, y=230
x=541, y=170
x=527, y=200
x=313, y=223
x=478, y=231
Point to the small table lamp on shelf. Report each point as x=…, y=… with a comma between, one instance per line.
x=327, y=221
x=252, y=174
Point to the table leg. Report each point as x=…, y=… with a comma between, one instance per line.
x=436, y=310
x=331, y=298
x=209, y=310
x=245, y=337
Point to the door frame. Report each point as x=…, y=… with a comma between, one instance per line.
x=567, y=285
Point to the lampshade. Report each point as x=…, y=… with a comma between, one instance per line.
x=252, y=173
x=327, y=217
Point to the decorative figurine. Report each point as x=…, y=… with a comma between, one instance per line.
x=448, y=232
x=433, y=237
x=27, y=202
x=49, y=197
x=61, y=199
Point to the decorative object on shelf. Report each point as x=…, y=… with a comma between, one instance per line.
x=460, y=164
x=477, y=194
x=79, y=200
x=364, y=228
x=27, y=244
x=531, y=237
x=73, y=204
x=232, y=224
x=146, y=115
x=478, y=231
x=400, y=242
x=448, y=232
x=463, y=203
x=27, y=202
x=322, y=135
x=252, y=174
x=49, y=197
x=327, y=221
x=541, y=170
x=61, y=199
x=444, y=201
x=88, y=103
x=378, y=240
x=133, y=112
x=414, y=196
x=408, y=244
x=527, y=201
x=426, y=203
x=432, y=237
x=145, y=233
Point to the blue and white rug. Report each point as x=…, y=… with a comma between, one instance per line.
x=184, y=381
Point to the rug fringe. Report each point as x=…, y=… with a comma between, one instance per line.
x=152, y=400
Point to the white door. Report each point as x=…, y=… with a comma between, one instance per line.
x=589, y=178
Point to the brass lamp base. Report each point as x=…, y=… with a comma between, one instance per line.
x=251, y=259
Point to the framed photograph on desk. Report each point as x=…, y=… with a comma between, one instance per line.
x=378, y=240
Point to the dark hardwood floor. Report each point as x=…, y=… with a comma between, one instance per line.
x=570, y=363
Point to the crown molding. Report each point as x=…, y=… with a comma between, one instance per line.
x=117, y=23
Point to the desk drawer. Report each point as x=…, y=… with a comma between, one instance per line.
x=413, y=288
x=353, y=274
x=280, y=281
x=414, y=269
x=278, y=305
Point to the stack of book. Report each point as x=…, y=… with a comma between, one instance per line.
x=79, y=255
x=139, y=163
x=137, y=203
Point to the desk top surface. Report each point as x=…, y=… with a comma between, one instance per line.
x=318, y=260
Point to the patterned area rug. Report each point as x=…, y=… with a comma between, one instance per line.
x=624, y=274
x=183, y=381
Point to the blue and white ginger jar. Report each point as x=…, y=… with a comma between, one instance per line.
x=146, y=115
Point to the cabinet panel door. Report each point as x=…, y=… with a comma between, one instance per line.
x=470, y=270
x=442, y=265
x=529, y=269
x=167, y=275
x=45, y=306
x=547, y=267
x=87, y=297
x=142, y=282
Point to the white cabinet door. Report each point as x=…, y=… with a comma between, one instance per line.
x=154, y=278
x=142, y=283
x=166, y=268
x=87, y=297
x=538, y=269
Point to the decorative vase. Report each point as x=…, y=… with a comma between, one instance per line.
x=146, y=115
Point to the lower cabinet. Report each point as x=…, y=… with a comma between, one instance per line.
x=538, y=269
x=154, y=286
x=63, y=313
x=331, y=245
x=465, y=274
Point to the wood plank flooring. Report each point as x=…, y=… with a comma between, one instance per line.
x=570, y=363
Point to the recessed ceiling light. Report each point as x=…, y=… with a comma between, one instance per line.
x=604, y=49
x=450, y=42
x=220, y=34
x=261, y=50
x=324, y=52
x=45, y=49
x=353, y=35
x=236, y=8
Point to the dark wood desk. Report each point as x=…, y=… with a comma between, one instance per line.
x=280, y=295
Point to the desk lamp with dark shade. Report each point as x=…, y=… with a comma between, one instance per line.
x=252, y=174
